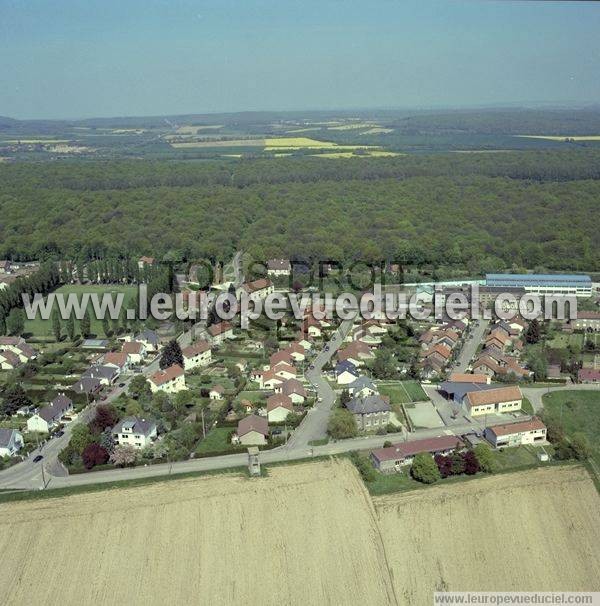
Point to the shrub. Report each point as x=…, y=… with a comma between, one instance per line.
x=94, y=454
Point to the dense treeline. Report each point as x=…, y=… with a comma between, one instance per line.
x=293, y=209
x=537, y=166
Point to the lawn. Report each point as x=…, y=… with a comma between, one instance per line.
x=527, y=407
x=216, y=440
x=43, y=328
x=252, y=396
x=576, y=411
x=562, y=340
x=402, y=392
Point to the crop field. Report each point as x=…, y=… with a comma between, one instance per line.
x=535, y=530
x=562, y=137
x=278, y=539
x=212, y=540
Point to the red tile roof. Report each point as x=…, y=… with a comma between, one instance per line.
x=132, y=347
x=279, y=400
x=511, y=428
x=217, y=329
x=195, y=349
x=459, y=377
x=253, y=423
x=408, y=449
x=494, y=396
x=166, y=375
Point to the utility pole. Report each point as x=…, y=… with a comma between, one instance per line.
x=203, y=427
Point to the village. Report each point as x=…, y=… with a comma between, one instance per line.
x=424, y=399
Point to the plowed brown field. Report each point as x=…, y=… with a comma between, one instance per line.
x=308, y=534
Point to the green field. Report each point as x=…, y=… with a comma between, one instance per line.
x=402, y=392
x=562, y=340
x=43, y=328
x=216, y=440
x=577, y=412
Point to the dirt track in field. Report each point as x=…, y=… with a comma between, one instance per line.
x=308, y=534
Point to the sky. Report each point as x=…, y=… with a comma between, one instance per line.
x=73, y=59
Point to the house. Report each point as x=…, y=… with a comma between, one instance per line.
x=370, y=412
x=145, y=261
x=356, y=352
x=18, y=347
x=9, y=360
x=169, y=380
x=278, y=408
x=136, y=432
x=220, y=332
x=284, y=371
x=87, y=385
x=458, y=377
x=504, y=366
x=515, y=434
x=258, y=289
x=392, y=458
x=253, y=430
x=118, y=359
x=363, y=386
x=197, y=354
x=346, y=372
x=107, y=375
x=296, y=352
x=135, y=351
x=216, y=392
x=491, y=401
x=587, y=320
x=293, y=389
x=11, y=441
x=150, y=340
x=588, y=375
x=281, y=356
x=438, y=352
x=5, y=267
x=49, y=416
x=269, y=380
x=279, y=267
x=312, y=327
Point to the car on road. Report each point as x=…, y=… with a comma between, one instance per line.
x=326, y=347
x=38, y=458
x=312, y=367
x=121, y=384
x=59, y=434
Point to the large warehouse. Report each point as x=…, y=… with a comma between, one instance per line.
x=544, y=284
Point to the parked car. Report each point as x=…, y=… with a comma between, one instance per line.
x=38, y=458
x=121, y=384
x=59, y=434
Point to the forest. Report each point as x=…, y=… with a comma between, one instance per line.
x=483, y=212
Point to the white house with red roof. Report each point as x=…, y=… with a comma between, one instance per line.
x=197, y=354
x=169, y=380
x=278, y=408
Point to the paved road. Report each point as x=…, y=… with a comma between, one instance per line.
x=470, y=346
x=535, y=394
x=314, y=425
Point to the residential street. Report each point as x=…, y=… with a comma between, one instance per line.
x=470, y=346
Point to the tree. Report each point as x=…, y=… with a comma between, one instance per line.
x=384, y=365
x=106, y=416
x=364, y=466
x=85, y=324
x=471, y=464
x=342, y=424
x=70, y=326
x=171, y=355
x=123, y=455
x=2, y=324
x=533, y=332
x=56, y=325
x=106, y=327
x=424, y=469
x=344, y=396
x=457, y=463
x=139, y=387
x=14, y=398
x=485, y=457
x=94, y=454
x=581, y=446
x=107, y=440
x=15, y=323
x=80, y=437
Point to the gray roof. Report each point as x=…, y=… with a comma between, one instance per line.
x=459, y=390
x=55, y=410
x=368, y=404
x=62, y=401
x=149, y=336
x=340, y=367
x=103, y=372
x=135, y=425
x=6, y=436
x=86, y=385
x=361, y=383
